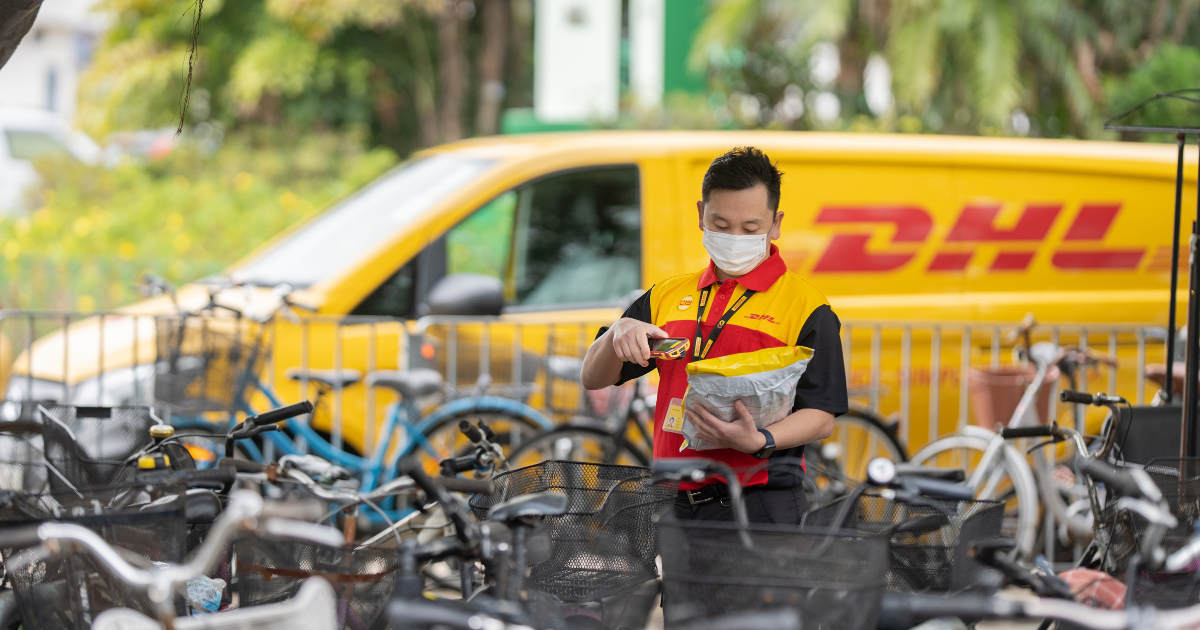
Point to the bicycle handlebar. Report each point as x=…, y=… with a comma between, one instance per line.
x=467, y=486
x=279, y=415
x=938, y=489
x=242, y=465
x=213, y=478
x=18, y=537
x=1051, y=431
x=1083, y=398
x=464, y=529
x=1119, y=480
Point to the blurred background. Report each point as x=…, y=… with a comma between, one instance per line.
x=295, y=103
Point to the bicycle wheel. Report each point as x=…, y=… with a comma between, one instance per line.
x=443, y=439
x=576, y=443
x=1007, y=479
x=861, y=437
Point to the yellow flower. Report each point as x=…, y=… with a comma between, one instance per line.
x=126, y=250
x=83, y=225
x=183, y=243
x=288, y=200
x=12, y=250
x=85, y=304
x=175, y=222
x=243, y=181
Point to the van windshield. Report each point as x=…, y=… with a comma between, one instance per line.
x=338, y=238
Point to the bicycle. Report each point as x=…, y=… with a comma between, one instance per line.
x=405, y=430
x=246, y=511
x=997, y=470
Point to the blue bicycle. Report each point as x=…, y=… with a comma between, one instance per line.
x=209, y=363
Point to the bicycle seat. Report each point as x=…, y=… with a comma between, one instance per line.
x=410, y=384
x=564, y=367
x=533, y=504
x=332, y=379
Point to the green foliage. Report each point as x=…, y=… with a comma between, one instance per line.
x=183, y=217
x=957, y=66
x=300, y=63
x=1170, y=68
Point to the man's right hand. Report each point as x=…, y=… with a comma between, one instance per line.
x=631, y=339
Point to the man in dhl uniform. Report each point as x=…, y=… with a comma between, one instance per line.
x=745, y=300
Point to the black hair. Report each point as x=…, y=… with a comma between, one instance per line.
x=743, y=168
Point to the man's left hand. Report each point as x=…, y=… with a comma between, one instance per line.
x=740, y=435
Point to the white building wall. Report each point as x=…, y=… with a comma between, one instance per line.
x=576, y=71
x=43, y=72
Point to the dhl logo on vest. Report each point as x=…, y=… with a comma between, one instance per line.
x=1081, y=248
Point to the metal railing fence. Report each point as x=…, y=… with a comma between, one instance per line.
x=915, y=372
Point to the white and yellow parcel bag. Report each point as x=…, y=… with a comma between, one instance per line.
x=764, y=380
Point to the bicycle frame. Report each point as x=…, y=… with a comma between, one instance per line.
x=380, y=466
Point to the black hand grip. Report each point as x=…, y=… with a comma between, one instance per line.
x=1114, y=478
x=939, y=489
x=931, y=472
x=473, y=433
x=463, y=529
x=487, y=431
x=468, y=486
x=17, y=537
x=454, y=465
x=1082, y=398
x=242, y=465
x=1027, y=432
x=280, y=414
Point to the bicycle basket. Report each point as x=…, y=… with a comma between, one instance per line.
x=835, y=579
x=89, y=446
x=67, y=590
x=936, y=561
x=1179, y=480
x=205, y=363
x=271, y=570
x=606, y=542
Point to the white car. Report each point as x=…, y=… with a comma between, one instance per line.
x=29, y=134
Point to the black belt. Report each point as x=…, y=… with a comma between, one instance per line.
x=707, y=494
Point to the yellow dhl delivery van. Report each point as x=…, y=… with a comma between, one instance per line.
x=892, y=228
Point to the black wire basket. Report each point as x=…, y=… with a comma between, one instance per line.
x=67, y=590
x=936, y=561
x=835, y=579
x=271, y=570
x=92, y=447
x=606, y=542
x=1179, y=480
x=205, y=363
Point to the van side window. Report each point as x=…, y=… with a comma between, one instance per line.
x=396, y=297
x=577, y=238
x=482, y=243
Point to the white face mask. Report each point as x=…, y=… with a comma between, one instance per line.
x=736, y=255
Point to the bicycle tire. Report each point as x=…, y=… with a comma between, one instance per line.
x=1022, y=519
x=443, y=439
x=606, y=448
x=863, y=436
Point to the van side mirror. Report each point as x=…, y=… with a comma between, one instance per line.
x=465, y=294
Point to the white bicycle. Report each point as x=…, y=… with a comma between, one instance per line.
x=998, y=470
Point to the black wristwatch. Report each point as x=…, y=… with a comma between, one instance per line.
x=767, y=449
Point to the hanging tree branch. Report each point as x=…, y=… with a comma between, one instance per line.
x=186, y=97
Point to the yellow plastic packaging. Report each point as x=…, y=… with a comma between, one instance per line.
x=745, y=363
